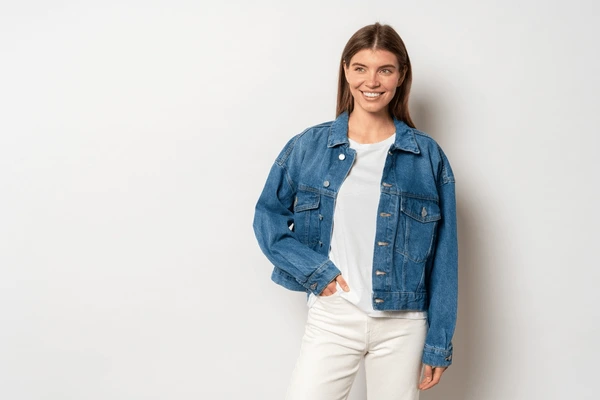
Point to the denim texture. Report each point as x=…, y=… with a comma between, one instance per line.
x=415, y=260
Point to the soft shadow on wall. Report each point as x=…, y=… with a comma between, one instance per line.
x=460, y=381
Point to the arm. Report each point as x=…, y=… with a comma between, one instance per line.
x=443, y=277
x=272, y=220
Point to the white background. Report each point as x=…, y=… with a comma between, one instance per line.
x=135, y=137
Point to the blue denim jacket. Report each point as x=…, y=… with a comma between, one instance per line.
x=415, y=261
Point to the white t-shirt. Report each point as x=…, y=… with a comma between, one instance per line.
x=354, y=228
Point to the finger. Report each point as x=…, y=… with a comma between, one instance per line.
x=327, y=290
x=340, y=279
x=437, y=375
x=332, y=287
x=427, y=377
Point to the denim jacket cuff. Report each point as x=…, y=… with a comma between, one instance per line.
x=319, y=279
x=437, y=357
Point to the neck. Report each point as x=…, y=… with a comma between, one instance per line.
x=365, y=127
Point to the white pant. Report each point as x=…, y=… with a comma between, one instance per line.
x=338, y=335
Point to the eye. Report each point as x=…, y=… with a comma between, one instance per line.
x=386, y=71
x=359, y=69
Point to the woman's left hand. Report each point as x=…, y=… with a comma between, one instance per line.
x=431, y=376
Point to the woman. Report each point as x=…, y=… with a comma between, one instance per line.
x=380, y=272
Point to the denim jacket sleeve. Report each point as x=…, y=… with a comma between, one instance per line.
x=443, y=277
x=273, y=222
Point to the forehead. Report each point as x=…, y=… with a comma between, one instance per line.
x=374, y=57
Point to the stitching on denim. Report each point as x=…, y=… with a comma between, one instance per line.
x=402, y=253
x=308, y=189
x=281, y=160
x=307, y=205
x=438, y=350
x=414, y=295
x=429, y=218
x=426, y=220
x=324, y=192
x=288, y=178
x=416, y=149
x=326, y=124
x=319, y=270
x=405, y=261
x=320, y=267
x=409, y=194
x=421, y=133
x=422, y=279
x=444, y=182
x=446, y=177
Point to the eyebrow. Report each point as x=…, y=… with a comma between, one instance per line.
x=383, y=66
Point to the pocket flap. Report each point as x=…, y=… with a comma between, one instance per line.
x=306, y=201
x=420, y=209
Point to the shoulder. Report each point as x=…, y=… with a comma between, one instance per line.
x=309, y=139
x=315, y=132
x=425, y=141
x=428, y=146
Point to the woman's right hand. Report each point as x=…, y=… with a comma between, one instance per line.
x=331, y=288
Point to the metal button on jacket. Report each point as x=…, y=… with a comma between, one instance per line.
x=326, y=183
x=342, y=157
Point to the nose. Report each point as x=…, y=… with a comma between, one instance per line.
x=372, y=81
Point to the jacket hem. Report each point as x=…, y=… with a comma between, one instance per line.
x=399, y=301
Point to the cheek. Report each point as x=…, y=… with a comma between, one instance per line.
x=352, y=84
x=353, y=81
x=392, y=83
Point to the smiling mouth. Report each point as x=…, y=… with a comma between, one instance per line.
x=372, y=95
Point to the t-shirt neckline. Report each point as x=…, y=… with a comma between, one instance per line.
x=372, y=146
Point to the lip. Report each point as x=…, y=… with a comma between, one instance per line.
x=371, y=98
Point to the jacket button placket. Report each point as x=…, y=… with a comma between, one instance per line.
x=383, y=250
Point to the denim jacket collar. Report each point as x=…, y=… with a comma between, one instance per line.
x=405, y=137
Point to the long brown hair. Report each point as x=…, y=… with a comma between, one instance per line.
x=382, y=37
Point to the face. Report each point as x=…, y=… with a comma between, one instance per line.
x=373, y=77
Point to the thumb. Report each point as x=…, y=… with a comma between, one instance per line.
x=342, y=283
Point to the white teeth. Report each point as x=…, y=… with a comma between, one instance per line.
x=371, y=94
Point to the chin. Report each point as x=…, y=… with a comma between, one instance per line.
x=372, y=110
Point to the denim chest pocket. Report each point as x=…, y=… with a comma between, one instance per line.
x=306, y=217
x=417, y=228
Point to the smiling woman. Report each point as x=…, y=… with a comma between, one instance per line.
x=373, y=76
x=385, y=262
x=381, y=45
